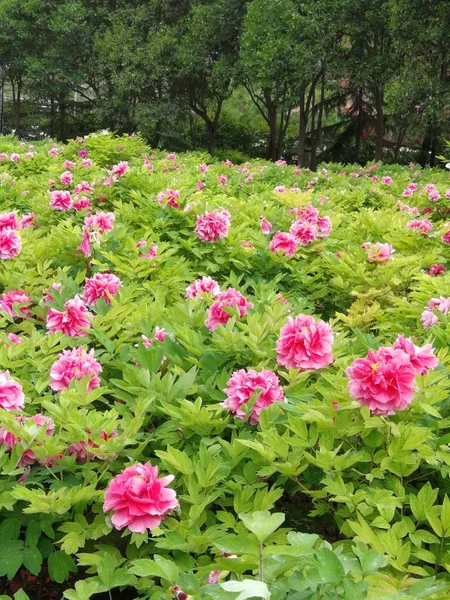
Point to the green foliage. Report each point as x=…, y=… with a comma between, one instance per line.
x=320, y=499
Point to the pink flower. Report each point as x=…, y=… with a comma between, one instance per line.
x=384, y=381
x=266, y=226
x=82, y=450
x=86, y=162
x=68, y=164
x=227, y=163
x=160, y=335
x=172, y=156
x=139, y=499
x=11, y=393
x=140, y=243
x=244, y=384
x=60, y=200
x=13, y=297
x=446, y=237
x=27, y=220
x=280, y=189
x=3, y=156
x=80, y=203
x=9, y=220
x=152, y=253
x=75, y=364
x=309, y=213
x=14, y=339
x=53, y=152
x=66, y=178
x=205, y=285
x=70, y=321
x=102, y=285
x=85, y=246
x=230, y=298
x=10, y=244
x=434, y=195
x=429, y=317
x=213, y=225
x=83, y=186
x=413, y=187
x=120, y=169
x=222, y=179
x=422, y=359
x=379, y=252
x=203, y=168
x=407, y=193
x=199, y=186
x=305, y=343
x=83, y=153
x=169, y=198
x=100, y=221
x=248, y=244
x=420, y=225
x=305, y=233
x=447, y=194
x=435, y=270
x=283, y=242
x=14, y=158
x=386, y=180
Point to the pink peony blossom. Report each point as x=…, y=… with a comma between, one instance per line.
x=53, y=152
x=11, y=393
x=151, y=253
x=83, y=186
x=10, y=244
x=280, y=189
x=407, y=193
x=86, y=162
x=383, y=381
x=69, y=165
x=66, y=178
x=205, y=285
x=140, y=243
x=120, y=169
x=102, y=285
x=75, y=364
x=386, y=180
x=27, y=220
x=378, y=252
x=283, y=242
x=80, y=203
x=199, y=186
x=446, y=237
x=13, y=338
x=83, y=153
x=13, y=297
x=172, y=156
x=230, y=298
x=82, y=450
x=169, y=198
x=436, y=270
x=222, y=179
x=434, y=195
x=422, y=359
x=305, y=233
x=100, y=221
x=429, y=316
x=213, y=225
x=324, y=226
x=139, y=499
x=60, y=200
x=305, y=343
x=266, y=226
x=69, y=321
x=202, y=168
x=420, y=225
x=309, y=213
x=14, y=158
x=8, y=439
x=9, y=220
x=244, y=384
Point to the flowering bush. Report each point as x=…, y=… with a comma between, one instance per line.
x=238, y=387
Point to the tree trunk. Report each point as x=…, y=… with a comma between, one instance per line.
x=62, y=117
x=16, y=93
x=399, y=143
x=52, y=115
x=379, y=124
x=211, y=128
x=359, y=125
x=317, y=134
x=302, y=129
x=424, y=155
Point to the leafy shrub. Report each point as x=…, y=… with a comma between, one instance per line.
x=320, y=498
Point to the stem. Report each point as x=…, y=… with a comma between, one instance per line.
x=261, y=572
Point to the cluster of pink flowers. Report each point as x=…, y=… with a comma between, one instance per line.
x=306, y=228
x=138, y=499
x=74, y=364
x=72, y=320
x=9, y=299
x=244, y=385
x=378, y=252
x=305, y=343
x=8, y=439
x=422, y=226
x=213, y=225
x=429, y=316
x=231, y=299
x=412, y=210
x=11, y=393
x=169, y=197
x=94, y=226
x=384, y=381
x=102, y=285
x=200, y=287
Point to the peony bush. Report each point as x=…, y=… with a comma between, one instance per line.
x=221, y=381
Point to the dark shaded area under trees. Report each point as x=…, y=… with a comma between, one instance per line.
x=308, y=80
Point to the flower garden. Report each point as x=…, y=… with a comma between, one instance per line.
x=221, y=381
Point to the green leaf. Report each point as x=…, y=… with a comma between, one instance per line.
x=262, y=523
x=10, y=557
x=330, y=568
x=60, y=565
x=84, y=589
x=237, y=544
x=32, y=560
x=248, y=588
